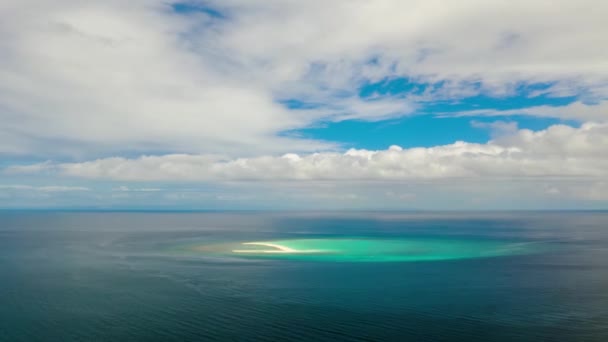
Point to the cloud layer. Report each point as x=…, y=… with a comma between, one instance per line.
x=88, y=78
x=559, y=151
x=205, y=102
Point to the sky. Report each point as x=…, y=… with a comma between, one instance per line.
x=304, y=105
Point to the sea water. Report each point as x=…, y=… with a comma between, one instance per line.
x=370, y=276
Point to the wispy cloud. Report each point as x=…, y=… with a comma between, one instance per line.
x=124, y=188
x=47, y=188
x=575, y=111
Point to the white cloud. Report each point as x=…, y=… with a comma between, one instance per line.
x=90, y=78
x=577, y=111
x=497, y=128
x=400, y=196
x=590, y=191
x=124, y=188
x=48, y=188
x=497, y=43
x=558, y=151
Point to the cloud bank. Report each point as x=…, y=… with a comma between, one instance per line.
x=558, y=151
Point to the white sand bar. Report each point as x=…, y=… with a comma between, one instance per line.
x=277, y=248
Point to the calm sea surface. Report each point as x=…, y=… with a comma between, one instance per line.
x=69, y=276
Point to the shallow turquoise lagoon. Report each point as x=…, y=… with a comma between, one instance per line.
x=369, y=249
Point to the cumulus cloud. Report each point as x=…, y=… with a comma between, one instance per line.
x=91, y=78
x=558, y=151
x=86, y=78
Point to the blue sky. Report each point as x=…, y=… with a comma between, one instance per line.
x=417, y=131
x=437, y=122
x=303, y=105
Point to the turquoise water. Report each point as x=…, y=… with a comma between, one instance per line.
x=360, y=249
x=353, y=277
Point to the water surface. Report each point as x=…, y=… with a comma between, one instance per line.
x=379, y=276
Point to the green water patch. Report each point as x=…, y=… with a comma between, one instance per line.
x=369, y=250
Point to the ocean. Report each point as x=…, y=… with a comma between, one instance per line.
x=303, y=276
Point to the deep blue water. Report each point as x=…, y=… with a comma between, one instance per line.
x=115, y=277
